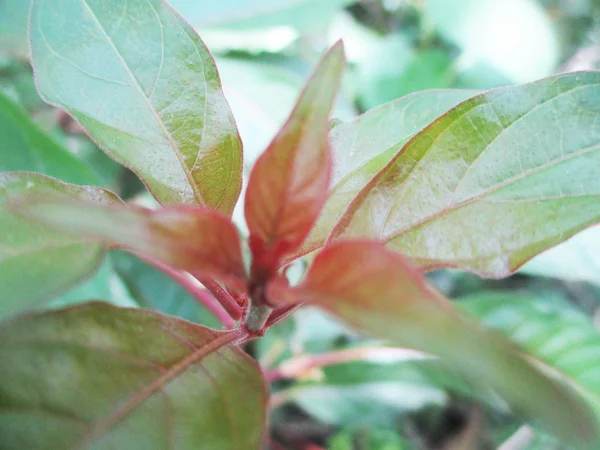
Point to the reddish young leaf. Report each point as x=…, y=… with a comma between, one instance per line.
x=289, y=182
x=198, y=240
x=378, y=291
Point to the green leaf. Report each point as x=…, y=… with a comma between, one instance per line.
x=102, y=377
x=25, y=147
x=145, y=87
x=258, y=13
x=13, y=28
x=362, y=147
x=154, y=289
x=37, y=263
x=495, y=181
x=384, y=296
x=553, y=332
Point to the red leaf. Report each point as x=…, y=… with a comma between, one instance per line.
x=378, y=291
x=196, y=239
x=289, y=182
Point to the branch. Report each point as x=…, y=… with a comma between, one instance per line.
x=193, y=286
x=298, y=366
x=224, y=298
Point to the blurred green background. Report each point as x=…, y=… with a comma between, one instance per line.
x=264, y=50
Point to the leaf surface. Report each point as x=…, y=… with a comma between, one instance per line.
x=362, y=147
x=37, y=262
x=378, y=292
x=26, y=147
x=102, y=377
x=496, y=180
x=554, y=332
x=198, y=240
x=144, y=86
x=289, y=182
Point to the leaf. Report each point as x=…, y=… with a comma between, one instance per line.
x=490, y=184
x=555, y=333
x=26, y=147
x=154, y=289
x=38, y=263
x=258, y=13
x=363, y=147
x=105, y=377
x=13, y=28
x=289, y=182
x=145, y=87
x=377, y=291
x=198, y=240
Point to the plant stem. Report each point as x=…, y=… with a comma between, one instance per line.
x=300, y=365
x=224, y=298
x=193, y=286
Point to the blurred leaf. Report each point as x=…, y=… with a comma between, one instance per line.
x=372, y=439
x=26, y=148
x=577, y=259
x=288, y=184
x=154, y=289
x=362, y=147
x=490, y=184
x=143, y=84
x=551, y=331
x=384, y=296
x=393, y=69
x=13, y=28
x=37, y=263
x=105, y=284
x=192, y=238
x=261, y=96
x=258, y=13
x=105, y=377
x=515, y=37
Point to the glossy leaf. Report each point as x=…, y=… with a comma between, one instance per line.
x=25, y=147
x=13, y=28
x=289, y=182
x=144, y=86
x=198, y=240
x=553, y=332
x=105, y=377
x=36, y=262
x=493, y=182
x=363, y=147
x=378, y=292
x=258, y=13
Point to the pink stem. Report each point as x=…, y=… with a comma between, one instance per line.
x=191, y=285
x=298, y=366
x=224, y=298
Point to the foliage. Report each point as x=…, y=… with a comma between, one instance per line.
x=166, y=307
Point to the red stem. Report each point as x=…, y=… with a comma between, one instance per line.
x=191, y=285
x=224, y=298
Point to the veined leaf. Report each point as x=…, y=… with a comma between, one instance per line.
x=555, y=333
x=37, y=262
x=493, y=182
x=26, y=147
x=198, y=240
x=289, y=182
x=377, y=291
x=363, y=147
x=105, y=377
x=144, y=86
